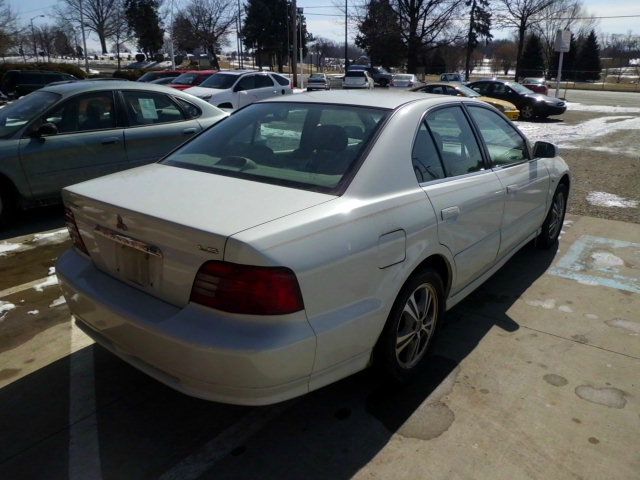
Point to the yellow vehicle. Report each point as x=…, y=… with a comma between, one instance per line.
x=459, y=90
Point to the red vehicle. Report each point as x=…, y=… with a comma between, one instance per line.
x=191, y=78
x=538, y=85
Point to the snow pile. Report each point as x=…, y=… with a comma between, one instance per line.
x=57, y=302
x=579, y=107
x=604, y=199
x=5, y=307
x=48, y=282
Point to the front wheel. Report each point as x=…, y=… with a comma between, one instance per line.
x=552, y=225
x=410, y=328
x=7, y=204
x=527, y=112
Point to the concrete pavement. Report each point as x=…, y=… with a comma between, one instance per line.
x=534, y=376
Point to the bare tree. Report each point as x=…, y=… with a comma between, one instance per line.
x=98, y=16
x=45, y=39
x=120, y=30
x=504, y=56
x=210, y=21
x=427, y=24
x=521, y=15
x=8, y=31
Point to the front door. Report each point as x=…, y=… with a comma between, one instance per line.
x=467, y=197
x=156, y=126
x=526, y=180
x=89, y=144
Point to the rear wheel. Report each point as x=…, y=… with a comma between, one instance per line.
x=7, y=203
x=552, y=225
x=411, y=326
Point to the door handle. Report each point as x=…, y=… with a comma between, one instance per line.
x=513, y=188
x=450, y=213
x=189, y=131
x=109, y=140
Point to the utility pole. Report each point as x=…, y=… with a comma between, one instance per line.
x=294, y=30
x=241, y=49
x=300, y=11
x=84, y=40
x=33, y=34
x=346, y=56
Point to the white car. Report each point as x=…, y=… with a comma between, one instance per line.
x=404, y=80
x=237, y=88
x=357, y=79
x=304, y=238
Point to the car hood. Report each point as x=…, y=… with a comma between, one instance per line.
x=202, y=92
x=545, y=98
x=496, y=101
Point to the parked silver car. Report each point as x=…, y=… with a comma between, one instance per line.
x=70, y=132
x=305, y=238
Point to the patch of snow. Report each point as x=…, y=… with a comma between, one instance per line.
x=606, y=259
x=604, y=199
x=591, y=316
x=579, y=107
x=48, y=282
x=58, y=301
x=52, y=271
x=33, y=312
x=546, y=304
x=5, y=307
x=8, y=247
x=565, y=308
x=37, y=240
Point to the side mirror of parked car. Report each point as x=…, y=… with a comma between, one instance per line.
x=46, y=130
x=544, y=150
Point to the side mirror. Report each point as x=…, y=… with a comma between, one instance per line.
x=46, y=130
x=238, y=88
x=544, y=150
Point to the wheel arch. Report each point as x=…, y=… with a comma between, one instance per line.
x=441, y=265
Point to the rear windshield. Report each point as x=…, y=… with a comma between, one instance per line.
x=355, y=73
x=17, y=114
x=220, y=81
x=307, y=146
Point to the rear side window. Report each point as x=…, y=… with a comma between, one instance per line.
x=263, y=81
x=455, y=141
x=306, y=146
x=425, y=158
x=149, y=108
x=505, y=145
x=281, y=80
x=190, y=110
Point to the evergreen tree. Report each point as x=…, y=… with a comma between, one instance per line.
x=479, y=27
x=381, y=35
x=588, y=58
x=144, y=20
x=532, y=61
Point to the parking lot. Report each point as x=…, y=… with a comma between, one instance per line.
x=535, y=375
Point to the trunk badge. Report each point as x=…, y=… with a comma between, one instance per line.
x=120, y=225
x=204, y=248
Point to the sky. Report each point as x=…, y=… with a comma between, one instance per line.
x=325, y=19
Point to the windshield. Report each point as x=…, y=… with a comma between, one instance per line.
x=467, y=92
x=403, y=77
x=317, y=76
x=355, y=73
x=185, y=79
x=221, y=81
x=534, y=80
x=17, y=114
x=520, y=89
x=307, y=146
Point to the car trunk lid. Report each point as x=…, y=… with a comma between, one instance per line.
x=154, y=226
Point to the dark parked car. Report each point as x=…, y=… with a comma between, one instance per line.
x=531, y=105
x=157, y=74
x=16, y=83
x=380, y=76
x=538, y=85
x=72, y=132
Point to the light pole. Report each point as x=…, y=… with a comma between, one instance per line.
x=33, y=34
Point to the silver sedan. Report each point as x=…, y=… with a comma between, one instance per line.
x=305, y=238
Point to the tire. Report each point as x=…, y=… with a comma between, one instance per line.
x=384, y=83
x=7, y=203
x=527, y=112
x=406, y=337
x=555, y=217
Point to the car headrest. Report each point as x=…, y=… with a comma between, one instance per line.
x=330, y=137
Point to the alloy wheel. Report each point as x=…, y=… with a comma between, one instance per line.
x=557, y=213
x=527, y=112
x=416, y=325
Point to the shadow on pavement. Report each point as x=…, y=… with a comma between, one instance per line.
x=141, y=429
x=34, y=220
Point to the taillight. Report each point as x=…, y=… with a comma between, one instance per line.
x=251, y=290
x=74, y=233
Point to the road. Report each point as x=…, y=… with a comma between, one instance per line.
x=594, y=97
x=533, y=376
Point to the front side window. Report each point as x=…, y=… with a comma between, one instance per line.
x=220, y=81
x=455, y=141
x=17, y=114
x=248, y=82
x=505, y=145
x=425, y=158
x=94, y=111
x=306, y=146
x=149, y=108
x=481, y=88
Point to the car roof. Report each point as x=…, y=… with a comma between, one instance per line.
x=69, y=88
x=373, y=99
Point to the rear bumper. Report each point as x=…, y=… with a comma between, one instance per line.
x=512, y=114
x=195, y=350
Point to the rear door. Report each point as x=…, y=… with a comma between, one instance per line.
x=468, y=197
x=89, y=143
x=526, y=180
x=156, y=125
x=265, y=87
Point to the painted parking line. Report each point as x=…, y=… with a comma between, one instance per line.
x=43, y=282
x=601, y=261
